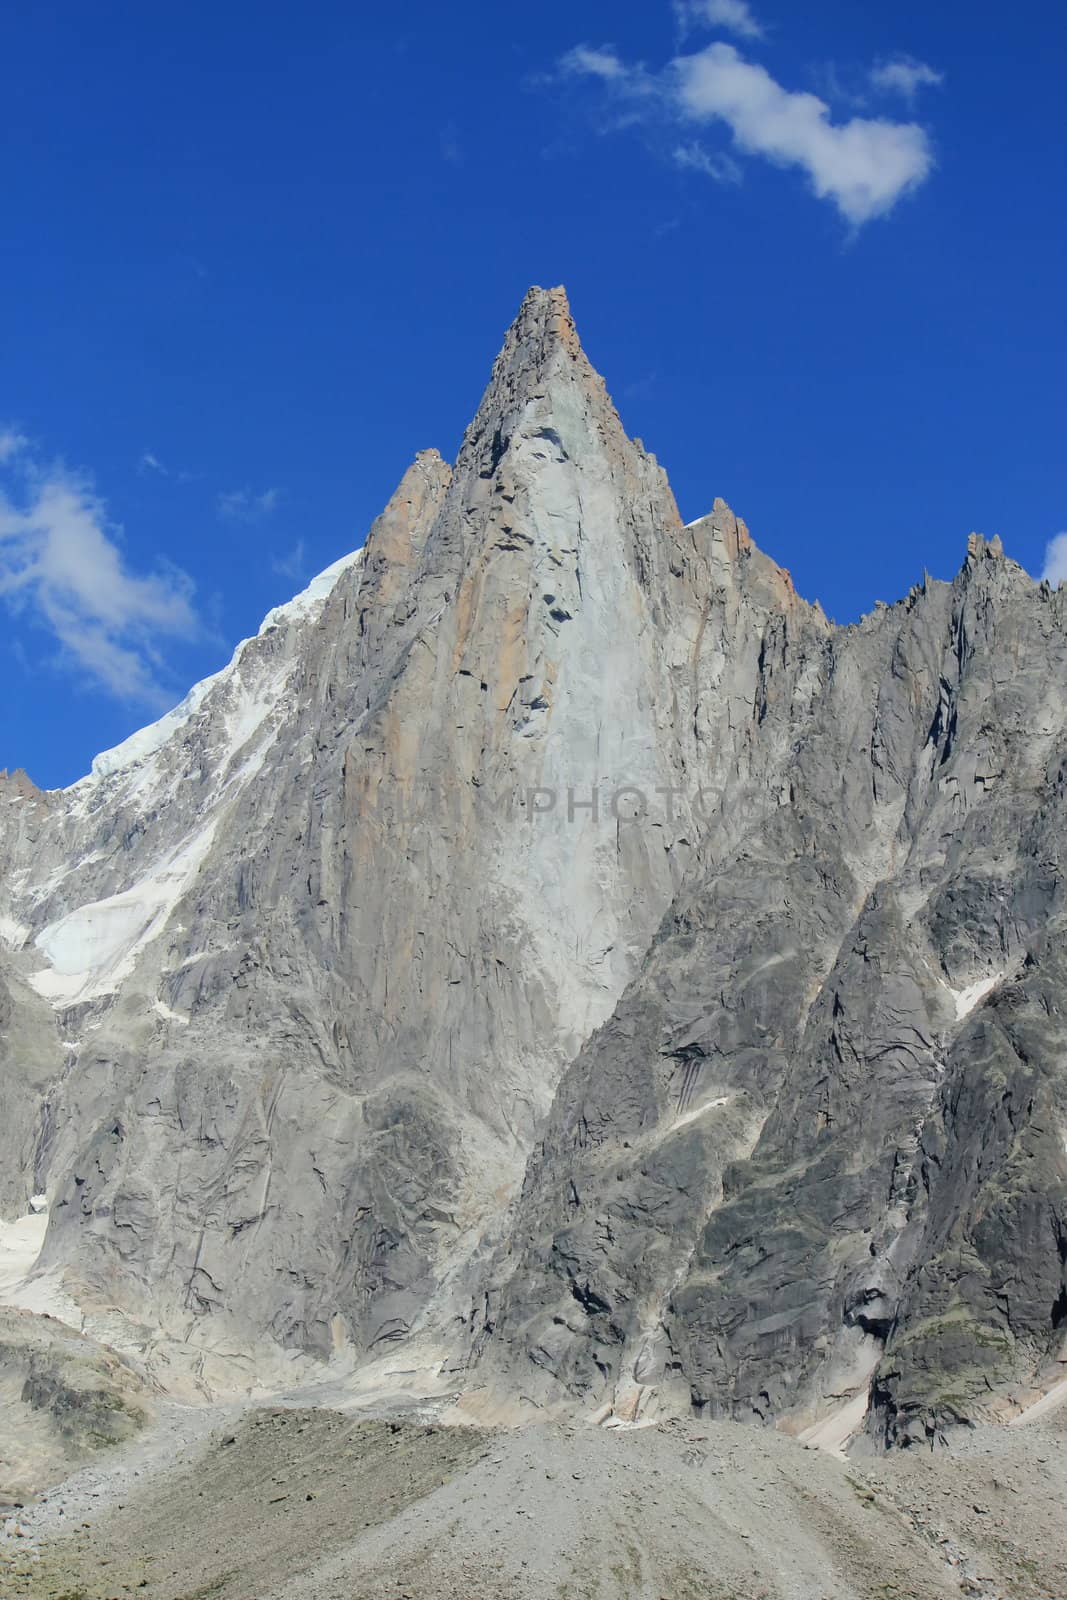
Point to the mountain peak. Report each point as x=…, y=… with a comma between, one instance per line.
x=545, y=318
x=542, y=329
x=541, y=361
x=979, y=547
x=530, y=870
x=19, y=785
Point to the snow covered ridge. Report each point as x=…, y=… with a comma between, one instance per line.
x=146, y=741
x=93, y=947
x=309, y=600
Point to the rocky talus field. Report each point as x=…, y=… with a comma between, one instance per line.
x=547, y=1075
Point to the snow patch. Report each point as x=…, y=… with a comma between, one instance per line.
x=20, y=1245
x=966, y=999
x=13, y=934
x=252, y=710
x=162, y=1009
x=201, y=955
x=91, y=949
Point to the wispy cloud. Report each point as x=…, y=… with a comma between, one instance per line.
x=905, y=76
x=719, y=165
x=293, y=564
x=597, y=61
x=1055, y=568
x=12, y=443
x=734, y=16
x=61, y=566
x=862, y=166
x=150, y=465
x=245, y=505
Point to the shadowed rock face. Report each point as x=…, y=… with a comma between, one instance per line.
x=366, y=1013
x=823, y=1133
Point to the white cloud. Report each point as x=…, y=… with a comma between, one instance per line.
x=733, y=15
x=863, y=166
x=596, y=62
x=243, y=505
x=12, y=443
x=904, y=75
x=60, y=565
x=1055, y=568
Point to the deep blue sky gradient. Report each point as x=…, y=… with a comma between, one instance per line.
x=277, y=245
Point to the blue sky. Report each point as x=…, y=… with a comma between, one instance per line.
x=256, y=255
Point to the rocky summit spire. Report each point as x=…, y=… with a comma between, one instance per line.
x=543, y=326
x=544, y=318
x=541, y=363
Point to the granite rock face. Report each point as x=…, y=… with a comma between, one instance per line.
x=822, y=1139
x=553, y=956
